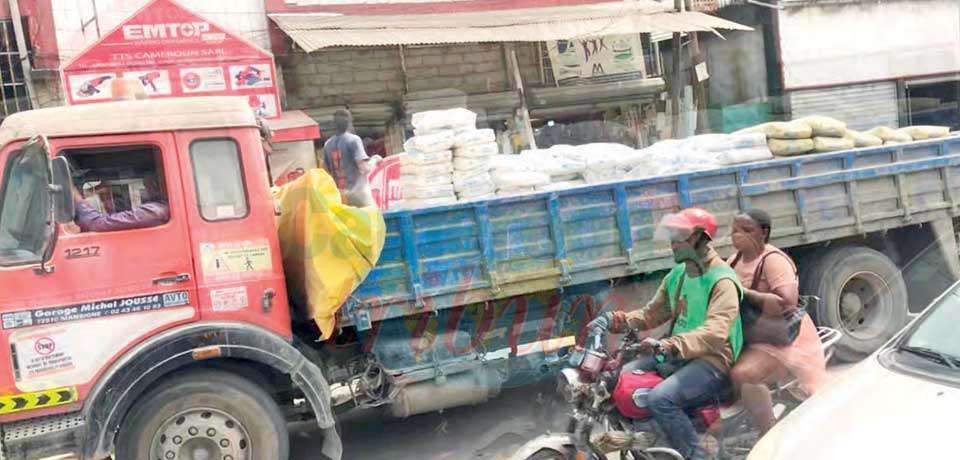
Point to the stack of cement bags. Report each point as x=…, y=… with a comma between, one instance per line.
x=426, y=170
x=473, y=149
x=448, y=158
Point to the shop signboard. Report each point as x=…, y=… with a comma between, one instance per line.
x=599, y=59
x=173, y=52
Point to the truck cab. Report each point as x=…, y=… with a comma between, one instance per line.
x=138, y=258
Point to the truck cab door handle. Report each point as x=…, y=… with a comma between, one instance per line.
x=167, y=280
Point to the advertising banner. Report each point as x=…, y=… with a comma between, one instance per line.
x=608, y=58
x=173, y=52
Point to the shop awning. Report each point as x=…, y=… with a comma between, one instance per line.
x=312, y=31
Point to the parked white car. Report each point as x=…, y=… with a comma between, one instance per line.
x=900, y=403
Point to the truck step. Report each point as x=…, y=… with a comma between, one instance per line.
x=42, y=436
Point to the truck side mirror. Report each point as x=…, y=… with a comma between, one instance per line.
x=62, y=190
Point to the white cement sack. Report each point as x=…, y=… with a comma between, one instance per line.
x=433, y=120
x=568, y=178
x=744, y=155
x=472, y=164
x=919, y=133
x=470, y=174
x=787, y=130
x=823, y=144
x=790, y=147
x=822, y=126
x=437, y=169
x=441, y=140
x=428, y=191
x=477, y=151
x=477, y=184
x=418, y=158
x=477, y=190
x=562, y=185
x=724, y=142
x=509, y=163
x=512, y=180
x=485, y=196
x=515, y=191
x=890, y=135
x=599, y=176
x=413, y=181
x=475, y=137
x=428, y=202
x=546, y=162
x=863, y=139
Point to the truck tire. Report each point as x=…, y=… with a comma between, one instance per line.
x=862, y=294
x=210, y=410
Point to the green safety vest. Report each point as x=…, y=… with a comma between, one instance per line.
x=696, y=291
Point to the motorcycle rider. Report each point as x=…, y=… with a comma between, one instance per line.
x=701, y=295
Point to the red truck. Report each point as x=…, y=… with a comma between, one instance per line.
x=171, y=341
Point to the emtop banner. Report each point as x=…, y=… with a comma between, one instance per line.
x=173, y=52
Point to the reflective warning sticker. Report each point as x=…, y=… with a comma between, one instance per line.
x=235, y=259
x=37, y=400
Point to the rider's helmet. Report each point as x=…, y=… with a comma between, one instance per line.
x=687, y=222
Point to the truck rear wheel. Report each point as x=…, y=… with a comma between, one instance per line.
x=862, y=294
x=204, y=415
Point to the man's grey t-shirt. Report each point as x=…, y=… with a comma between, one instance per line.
x=342, y=155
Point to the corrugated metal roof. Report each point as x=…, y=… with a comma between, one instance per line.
x=312, y=31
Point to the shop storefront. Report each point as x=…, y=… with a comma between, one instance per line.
x=891, y=63
x=528, y=80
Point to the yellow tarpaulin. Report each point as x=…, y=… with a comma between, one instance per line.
x=328, y=247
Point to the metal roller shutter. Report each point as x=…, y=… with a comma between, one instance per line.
x=860, y=106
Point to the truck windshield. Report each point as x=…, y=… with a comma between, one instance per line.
x=23, y=210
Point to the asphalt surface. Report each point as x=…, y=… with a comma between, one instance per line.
x=493, y=430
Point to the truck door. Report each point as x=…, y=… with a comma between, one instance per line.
x=114, y=278
x=233, y=228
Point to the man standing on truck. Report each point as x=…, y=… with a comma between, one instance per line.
x=347, y=162
x=701, y=296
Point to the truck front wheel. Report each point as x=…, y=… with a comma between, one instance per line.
x=862, y=294
x=204, y=414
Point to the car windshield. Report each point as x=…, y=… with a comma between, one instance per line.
x=937, y=331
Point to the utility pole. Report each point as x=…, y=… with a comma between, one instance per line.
x=675, y=80
x=22, y=50
x=699, y=87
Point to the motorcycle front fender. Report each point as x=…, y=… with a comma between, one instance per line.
x=556, y=441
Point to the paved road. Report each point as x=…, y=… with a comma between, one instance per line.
x=493, y=430
x=488, y=431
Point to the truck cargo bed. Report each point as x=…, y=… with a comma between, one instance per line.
x=442, y=257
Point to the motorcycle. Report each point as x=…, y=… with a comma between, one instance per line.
x=605, y=416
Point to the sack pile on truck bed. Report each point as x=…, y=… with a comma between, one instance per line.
x=449, y=160
x=819, y=134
